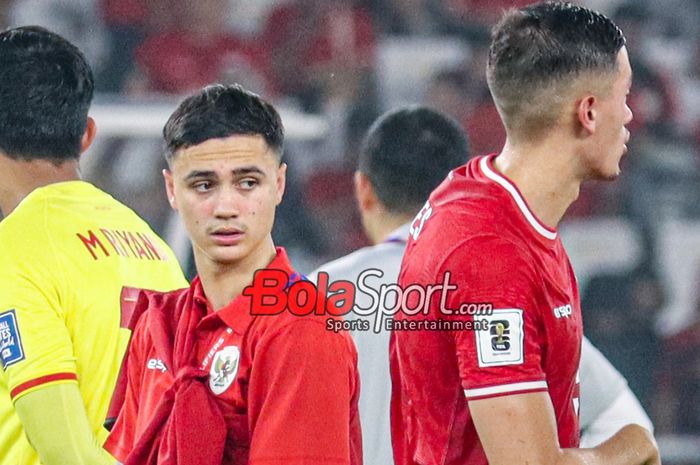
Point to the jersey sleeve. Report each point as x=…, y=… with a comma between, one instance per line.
x=503, y=356
x=35, y=344
x=303, y=383
x=601, y=384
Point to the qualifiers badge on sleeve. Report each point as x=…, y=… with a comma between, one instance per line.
x=11, y=350
x=224, y=368
x=502, y=343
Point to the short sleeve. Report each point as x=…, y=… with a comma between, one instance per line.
x=496, y=289
x=35, y=344
x=302, y=387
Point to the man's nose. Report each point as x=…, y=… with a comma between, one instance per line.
x=227, y=203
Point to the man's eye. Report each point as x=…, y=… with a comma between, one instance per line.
x=202, y=186
x=248, y=184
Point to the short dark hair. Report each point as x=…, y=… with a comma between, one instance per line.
x=46, y=88
x=538, y=51
x=219, y=111
x=408, y=152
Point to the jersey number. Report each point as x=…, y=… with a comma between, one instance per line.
x=420, y=219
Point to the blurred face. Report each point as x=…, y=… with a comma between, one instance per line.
x=611, y=135
x=226, y=191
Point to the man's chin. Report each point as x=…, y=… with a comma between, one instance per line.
x=607, y=174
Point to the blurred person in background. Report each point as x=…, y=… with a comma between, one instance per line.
x=408, y=18
x=72, y=261
x=320, y=57
x=78, y=21
x=406, y=154
x=194, y=50
x=320, y=50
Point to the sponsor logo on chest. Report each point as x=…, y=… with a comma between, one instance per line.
x=564, y=311
x=156, y=364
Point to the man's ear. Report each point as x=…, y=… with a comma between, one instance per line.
x=170, y=188
x=281, y=181
x=364, y=192
x=88, y=135
x=587, y=113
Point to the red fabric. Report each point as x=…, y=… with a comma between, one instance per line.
x=479, y=233
x=327, y=36
x=325, y=43
x=178, y=62
x=124, y=12
x=290, y=397
x=173, y=434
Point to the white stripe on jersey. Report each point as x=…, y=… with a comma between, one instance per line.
x=505, y=388
x=489, y=173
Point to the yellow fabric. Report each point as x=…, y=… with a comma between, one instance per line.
x=56, y=425
x=66, y=254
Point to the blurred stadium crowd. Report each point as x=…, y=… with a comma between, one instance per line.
x=635, y=243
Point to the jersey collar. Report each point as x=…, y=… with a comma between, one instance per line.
x=237, y=315
x=488, y=169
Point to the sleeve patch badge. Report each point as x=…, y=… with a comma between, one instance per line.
x=502, y=343
x=11, y=350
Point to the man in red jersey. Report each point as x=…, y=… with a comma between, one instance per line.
x=508, y=395
x=208, y=382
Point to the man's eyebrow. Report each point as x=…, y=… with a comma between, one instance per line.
x=248, y=170
x=199, y=174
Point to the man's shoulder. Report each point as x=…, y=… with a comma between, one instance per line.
x=24, y=223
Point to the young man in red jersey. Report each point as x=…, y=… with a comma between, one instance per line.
x=508, y=395
x=208, y=382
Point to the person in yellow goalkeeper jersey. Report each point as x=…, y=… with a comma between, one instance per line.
x=72, y=260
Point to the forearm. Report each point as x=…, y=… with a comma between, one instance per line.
x=56, y=425
x=632, y=445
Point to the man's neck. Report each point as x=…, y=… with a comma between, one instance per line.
x=387, y=224
x=223, y=282
x=546, y=175
x=20, y=178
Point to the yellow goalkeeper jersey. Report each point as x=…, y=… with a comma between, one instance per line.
x=72, y=259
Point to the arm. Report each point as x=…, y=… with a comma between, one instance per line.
x=531, y=436
x=56, y=425
x=607, y=403
x=40, y=372
x=520, y=426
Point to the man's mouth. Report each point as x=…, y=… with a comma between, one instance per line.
x=227, y=236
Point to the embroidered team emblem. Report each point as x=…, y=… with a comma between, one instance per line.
x=224, y=368
x=11, y=350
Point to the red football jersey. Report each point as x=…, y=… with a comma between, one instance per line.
x=288, y=388
x=478, y=227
